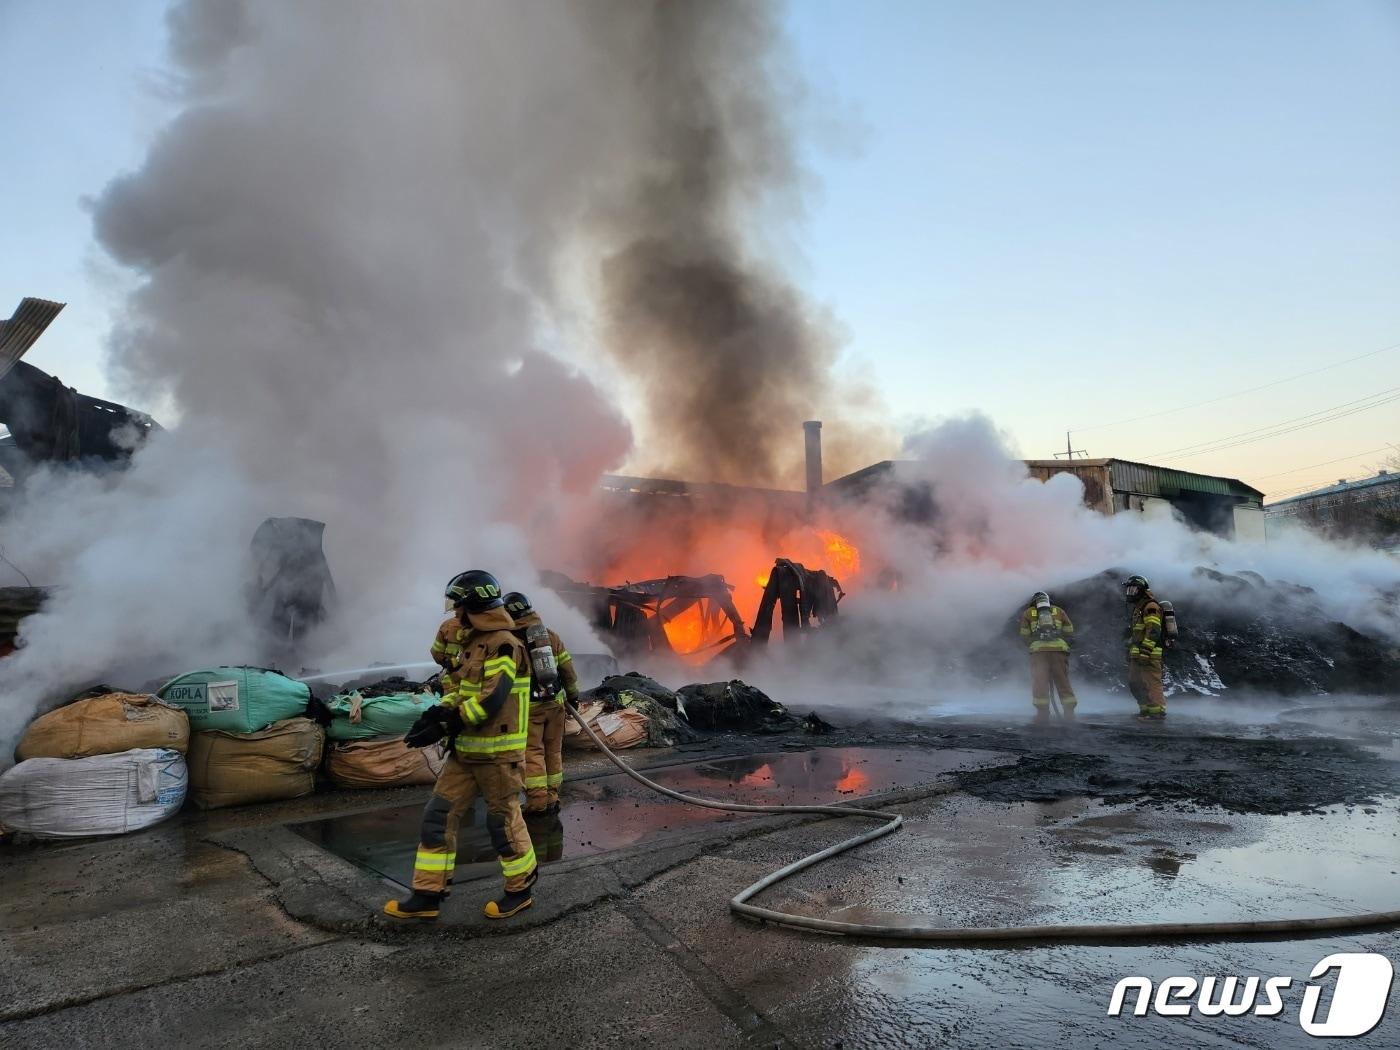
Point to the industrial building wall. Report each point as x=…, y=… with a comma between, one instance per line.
x=1098, y=486
x=1249, y=524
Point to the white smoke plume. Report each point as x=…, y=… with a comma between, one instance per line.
x=994, y=536
x=365, y=248
x=335, y=239
x=389, y=259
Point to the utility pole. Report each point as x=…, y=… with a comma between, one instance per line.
x=1070, y=451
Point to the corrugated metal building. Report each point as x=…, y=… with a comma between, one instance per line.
x=1224, y=506
x=1366, y=510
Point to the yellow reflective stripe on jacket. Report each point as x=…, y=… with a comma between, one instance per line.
x=490, y=745
x=564, y=657
x=498, y=665
x=520, y=865
x=472, y=744
x=472, y=712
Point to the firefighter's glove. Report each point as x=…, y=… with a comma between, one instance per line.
x=434, y=724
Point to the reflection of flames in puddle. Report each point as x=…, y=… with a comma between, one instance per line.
x=853, y=780
x=761, y=776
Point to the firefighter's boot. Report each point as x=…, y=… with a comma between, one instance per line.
x=1042, y=717
x=512, y=903
x=418, y=905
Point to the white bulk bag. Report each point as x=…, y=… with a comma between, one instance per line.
x=55, y=798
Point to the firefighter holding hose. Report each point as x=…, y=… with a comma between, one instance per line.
x=552, y=679
x=485, y=719
x=1047, y=630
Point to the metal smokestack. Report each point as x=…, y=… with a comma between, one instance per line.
x=813, y=430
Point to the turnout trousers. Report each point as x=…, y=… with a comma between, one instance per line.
x=1145, y=683
x=1047, y=669
x=544, y=756
x=456, y=790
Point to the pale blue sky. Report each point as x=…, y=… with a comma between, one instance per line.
x=1059, y=213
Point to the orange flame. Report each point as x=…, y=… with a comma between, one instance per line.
x=842, y=556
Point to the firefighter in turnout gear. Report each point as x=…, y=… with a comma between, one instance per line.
x=446, y=652
x=486, y=722
x=1145, y=648
x=1047, y=629
x=544, y=756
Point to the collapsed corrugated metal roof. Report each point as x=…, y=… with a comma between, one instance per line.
x=25, y=326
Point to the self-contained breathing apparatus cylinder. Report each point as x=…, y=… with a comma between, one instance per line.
x=1168, y=625
x=544, y=669
x=1044, y=617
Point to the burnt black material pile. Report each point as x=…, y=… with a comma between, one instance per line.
x=711, y=706
x=1238, y=633
x=737, y=705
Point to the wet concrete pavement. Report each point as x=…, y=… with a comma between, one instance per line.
x=612, y=812
x=230, y=929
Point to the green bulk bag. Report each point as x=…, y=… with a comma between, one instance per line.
x=236, y=699
x=357, y=717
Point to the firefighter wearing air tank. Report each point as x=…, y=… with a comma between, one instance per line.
x=486, y=721
x=1148, y=639
x=1047, y=630
x=552, y=678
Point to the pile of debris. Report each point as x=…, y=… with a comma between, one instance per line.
x=1238, y=633
x=676, y=716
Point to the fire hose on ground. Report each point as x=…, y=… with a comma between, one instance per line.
x=916, y=931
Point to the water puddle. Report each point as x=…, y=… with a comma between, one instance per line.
x=1079, y=861
x=612, y=812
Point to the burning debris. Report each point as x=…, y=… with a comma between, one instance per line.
x=695, y=617
x=808, y=598
x=692, y=617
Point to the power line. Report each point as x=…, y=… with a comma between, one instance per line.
x=1287, y=426
x=1240, y=393
x=1327, y=463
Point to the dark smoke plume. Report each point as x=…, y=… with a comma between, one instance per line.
x=729, y=355
x=355, y=251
